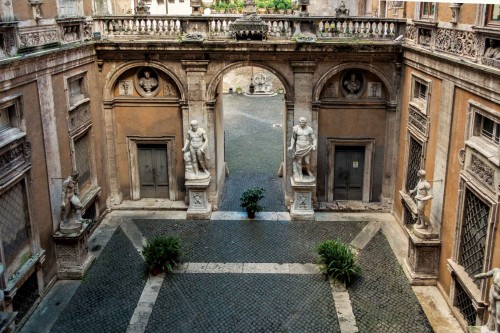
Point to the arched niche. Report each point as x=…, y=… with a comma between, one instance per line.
x=356, y=126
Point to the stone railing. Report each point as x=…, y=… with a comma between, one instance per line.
x=219, y=26
x=473, y=44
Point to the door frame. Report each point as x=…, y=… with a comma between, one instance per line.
x=135, y=180
x=369, y=144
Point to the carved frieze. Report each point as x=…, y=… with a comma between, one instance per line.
x=79, y=117
x=418, y=121
x=482, y=171
x=38, y=37
x=411, y=32
x=455, y=41
x=14, y=157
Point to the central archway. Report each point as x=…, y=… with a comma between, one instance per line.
x=250, y=126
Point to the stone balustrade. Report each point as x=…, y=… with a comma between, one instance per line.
x=218, y=26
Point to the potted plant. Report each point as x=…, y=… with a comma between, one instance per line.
x=162, y=254
x=231, y=7
x=250, y=200
x=261, y=6
x=280, y=6
x=338, y=261
x=270, y=6
x=239, y=90
x=221, y=7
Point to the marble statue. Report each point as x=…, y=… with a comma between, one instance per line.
x=147, y=82
x=196, y=145
x=493, y=325
x=352, y=85
x=71, y=207
x=301, y=139
x=424, y=194
x=493, y=51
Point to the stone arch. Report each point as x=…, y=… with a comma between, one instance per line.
x=212, y=86
x=370, y=68
x=108, y=87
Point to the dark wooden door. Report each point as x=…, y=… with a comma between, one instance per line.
x=348, y=173
x=153, y=171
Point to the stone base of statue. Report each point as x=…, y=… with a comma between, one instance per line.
x=199, y=207
x=73, y=257
x=421, y=264
x=301, y=208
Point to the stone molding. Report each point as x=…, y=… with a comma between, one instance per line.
x=195, y=65
x=79, y=117
x=304, y=66
x=482, y=171
x=418, y=121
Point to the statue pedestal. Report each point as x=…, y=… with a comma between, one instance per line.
x=423, y=258
x=199, y=208
x=73, y=258
x=302, y=208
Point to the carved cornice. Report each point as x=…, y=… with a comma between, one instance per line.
x=418, y=120
x=14, y=157
x=79, y=117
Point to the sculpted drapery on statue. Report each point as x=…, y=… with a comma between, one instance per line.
x=304, y=141
x=71, y=207
x=493, y=325
x=196, y=153
x=424, y=195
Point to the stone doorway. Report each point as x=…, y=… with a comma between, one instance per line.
x=153, y=171
x=253, y=139
x=348, y=173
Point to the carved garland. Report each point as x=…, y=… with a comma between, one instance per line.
x=38, y=38
x=482, y=171
x=456, y=41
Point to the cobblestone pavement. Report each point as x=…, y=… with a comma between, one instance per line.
x=382, y=299
x=254, y=149
x=251, y=241
x=109, y=292
x=244, y=303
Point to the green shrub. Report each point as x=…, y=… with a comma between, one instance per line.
x=250, y=199
x=162, y=253
x=338, y=261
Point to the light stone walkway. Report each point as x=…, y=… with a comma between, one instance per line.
x=430, y=298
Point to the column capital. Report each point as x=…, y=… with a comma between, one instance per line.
x=304, y=66
x=195, y=65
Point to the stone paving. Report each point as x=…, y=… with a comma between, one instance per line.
x=382, y=299
x=251, y=241
x=254, y=149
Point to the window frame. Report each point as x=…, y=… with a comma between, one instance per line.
x=489, y=12
x=421, y=104
x=73, y=103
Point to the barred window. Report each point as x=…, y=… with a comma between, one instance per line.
x=414, y=163
x=14, y=225
x=82, y=158
x=474, y=230
x=464, y=303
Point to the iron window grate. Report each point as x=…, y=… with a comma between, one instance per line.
x=25, y=297
x=464, y=303
x=13, y=222
x=474, y=230
x=82, y=158
x=414, y=162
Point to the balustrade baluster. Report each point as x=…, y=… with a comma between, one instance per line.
x=178, y=27
x=392, y=31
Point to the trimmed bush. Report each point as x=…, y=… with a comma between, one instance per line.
x=162, y=254
x=338, y=261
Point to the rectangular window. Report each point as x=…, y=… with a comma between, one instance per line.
x=82, y=158
x=464, y=303
x=493, y=15
x=14, y=224
x=414, y=163
x=427, y=9
x=487, y=128
x=474, y=230
x=76, y=91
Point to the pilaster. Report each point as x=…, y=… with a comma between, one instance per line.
x=115, y=196
x=51, y=143
x=441, y=159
